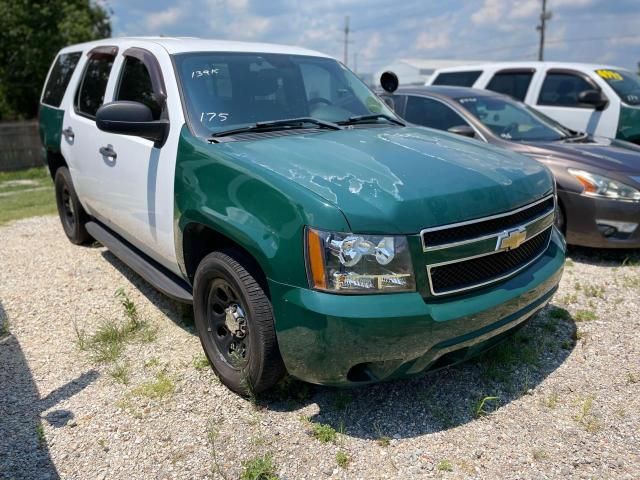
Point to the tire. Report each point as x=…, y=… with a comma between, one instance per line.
x=72, y=215
x=234, y=320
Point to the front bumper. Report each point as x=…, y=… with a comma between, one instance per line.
x=581, y=213
x=340, y=339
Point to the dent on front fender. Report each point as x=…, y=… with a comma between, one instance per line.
x=266, y=216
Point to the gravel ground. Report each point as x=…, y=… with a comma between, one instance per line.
x=561, y=398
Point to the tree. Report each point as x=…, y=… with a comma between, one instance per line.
x=31, y=33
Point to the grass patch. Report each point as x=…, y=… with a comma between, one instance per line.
x=120, y=374
x=560, y=314
x=200, y=362
x=4, y=327
x=596, y=291
x=585, y=316
x=159, y=388
x=260, y=468
x=324, y=433
x=342, y=400
x=40, y=436
x=569, y=299
x=552, y=401
x=539, y=454
x=342, y=459
x=26, y=193
x=445, y=466
x=586, y=418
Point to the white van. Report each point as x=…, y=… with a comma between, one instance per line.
x=598, y=99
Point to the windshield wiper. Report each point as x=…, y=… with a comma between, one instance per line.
x=575, y=136
x=270, y=125
x=373, y=116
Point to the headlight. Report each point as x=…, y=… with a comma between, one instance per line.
x=349, y=263
x=598, y=186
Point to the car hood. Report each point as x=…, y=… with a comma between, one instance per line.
x=399, y=179
x=602, y=153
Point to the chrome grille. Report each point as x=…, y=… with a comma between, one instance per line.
x=472, y=254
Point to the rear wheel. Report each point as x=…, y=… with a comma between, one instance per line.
x=72, y=215
x=234, y=319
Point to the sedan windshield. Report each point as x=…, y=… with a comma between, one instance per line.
x=624, y=83
x=513, y=120
x=229, y=90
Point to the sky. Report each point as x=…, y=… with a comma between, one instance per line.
x=595, y=31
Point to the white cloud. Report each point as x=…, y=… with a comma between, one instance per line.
x=165, y=18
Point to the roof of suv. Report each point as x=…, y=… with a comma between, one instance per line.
x=446, y=91
x=174, y=45
x=531, y=64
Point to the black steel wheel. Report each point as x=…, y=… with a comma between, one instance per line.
x=72, y=215
x=234, y=319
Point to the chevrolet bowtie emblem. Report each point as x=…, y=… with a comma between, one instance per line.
x=510, y=239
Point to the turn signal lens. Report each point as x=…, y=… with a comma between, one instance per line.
x=315, y=256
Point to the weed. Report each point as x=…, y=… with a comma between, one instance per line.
x=4, y=327
x=212, y=437
x=586, y=418
x=480, y=409
x=569, y=299
x=560, y=314
x=342, y=459
x=81, y=338
x=596, y=291
x=120, y=373
x=539, y=454
x=324, y=433
x=631, y=378
x=159, y=388
x=445, y=466
x=342, y=400
x=552, y=400
x=152, y=362
x=585, y=316
x=40, y=436
x=130, y=309
x=200, y=362
x=569, y=263
x=578, y=334
x=260, y=468
x=384, y=441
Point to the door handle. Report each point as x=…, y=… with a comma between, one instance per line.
x=68, y=134
x=108, y=152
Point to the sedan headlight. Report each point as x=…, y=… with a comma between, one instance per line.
x=598, y=186
x=349, y=263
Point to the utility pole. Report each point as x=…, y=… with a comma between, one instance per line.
x=355, y=62
x=544, y=18
x=346, y=40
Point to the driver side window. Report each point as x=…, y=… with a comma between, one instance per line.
x=432, y=113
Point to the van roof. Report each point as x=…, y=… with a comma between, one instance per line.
x=174, y=45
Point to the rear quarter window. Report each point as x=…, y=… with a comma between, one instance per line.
x=514, y=84
x=457, y=79
x=59, y=78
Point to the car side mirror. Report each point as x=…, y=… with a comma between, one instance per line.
x=594, y=98
x=389, y=81
x=132, y=118
x=464, y=130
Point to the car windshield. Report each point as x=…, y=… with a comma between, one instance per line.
x=624, y=83
x=512, y=120
x=229, y=90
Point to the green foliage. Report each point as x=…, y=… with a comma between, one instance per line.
x=342, y=459
x=445, y=466
x=159, y=388
x=585, y=316
x=324, y=433
x=260, y=468
x=31, y=33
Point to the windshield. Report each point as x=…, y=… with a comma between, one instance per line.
x=513, y=120
x=229, y=90
x=624, y=83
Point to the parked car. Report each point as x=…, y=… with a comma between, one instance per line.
x=598, y=99
x=598, y=178
x=313, y=231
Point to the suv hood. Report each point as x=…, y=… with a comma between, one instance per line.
x=399, y=179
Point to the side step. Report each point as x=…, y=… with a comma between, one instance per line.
x=163, y=280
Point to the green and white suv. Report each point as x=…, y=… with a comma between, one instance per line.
x=313, y=231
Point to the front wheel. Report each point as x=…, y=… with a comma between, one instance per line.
x=234, y=320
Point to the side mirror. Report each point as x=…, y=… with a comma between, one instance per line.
x=131, y=118
x=464, y=130
x=389, y=82
x=595, y=98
